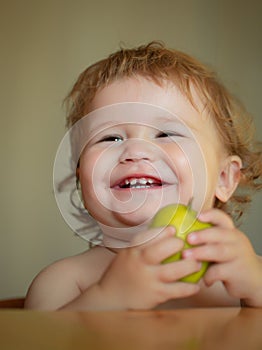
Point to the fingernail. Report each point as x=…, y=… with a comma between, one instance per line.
x=201, y=216
x=192, y=237
x=187, y=254
x=199, y=265
x=171, y=230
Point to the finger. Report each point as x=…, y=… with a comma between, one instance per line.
x=152, y=235
x=212, y=235
x=181, y=289
x=216, y=217
x=211, y=252
x=156, y=252
x=172, y=272
x=216, y=272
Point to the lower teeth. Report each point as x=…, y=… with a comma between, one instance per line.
x=140, y=186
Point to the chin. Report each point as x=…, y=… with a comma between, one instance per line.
x=138, y=217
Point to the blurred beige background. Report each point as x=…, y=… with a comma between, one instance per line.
x=44, y=47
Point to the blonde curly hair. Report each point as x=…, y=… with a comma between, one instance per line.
x=156, y=62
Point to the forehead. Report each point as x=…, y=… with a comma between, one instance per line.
x=143, y=90
x=166, y=96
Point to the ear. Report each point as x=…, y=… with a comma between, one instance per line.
x=229, y=178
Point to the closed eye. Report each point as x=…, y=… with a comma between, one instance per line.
x=169, y=134
x=111, y=138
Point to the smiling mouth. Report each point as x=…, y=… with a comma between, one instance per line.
x=138, y=183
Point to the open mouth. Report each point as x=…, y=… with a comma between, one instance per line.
x=140, y=182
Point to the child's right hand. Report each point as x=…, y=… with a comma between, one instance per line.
x=136, y=279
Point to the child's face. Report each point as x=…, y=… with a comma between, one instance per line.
x=140, y=157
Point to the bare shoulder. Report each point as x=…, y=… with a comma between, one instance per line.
x=64, y=280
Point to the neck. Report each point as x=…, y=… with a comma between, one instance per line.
x=115, y=237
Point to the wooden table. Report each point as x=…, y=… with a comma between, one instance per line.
x=188, y=329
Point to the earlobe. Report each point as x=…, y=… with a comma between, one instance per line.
x=229, y=178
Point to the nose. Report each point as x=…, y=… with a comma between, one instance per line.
x=136, y=149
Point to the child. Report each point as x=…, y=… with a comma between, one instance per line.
x=158, y=129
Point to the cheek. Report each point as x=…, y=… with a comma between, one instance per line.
x=189, y=163
x=181, y=162
x=94, y=173
x=95, y=165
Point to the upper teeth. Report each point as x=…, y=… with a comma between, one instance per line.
x=138, y=182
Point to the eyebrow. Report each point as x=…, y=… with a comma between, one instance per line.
x=167, y=119
x=160, y=119
x=105, y=125
x=176, y=120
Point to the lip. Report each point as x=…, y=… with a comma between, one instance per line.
x=156, y=184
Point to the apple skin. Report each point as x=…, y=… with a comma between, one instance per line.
x=184, y=219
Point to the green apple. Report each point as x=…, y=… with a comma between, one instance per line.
x=184, y=219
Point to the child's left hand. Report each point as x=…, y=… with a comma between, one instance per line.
x=235, y=262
